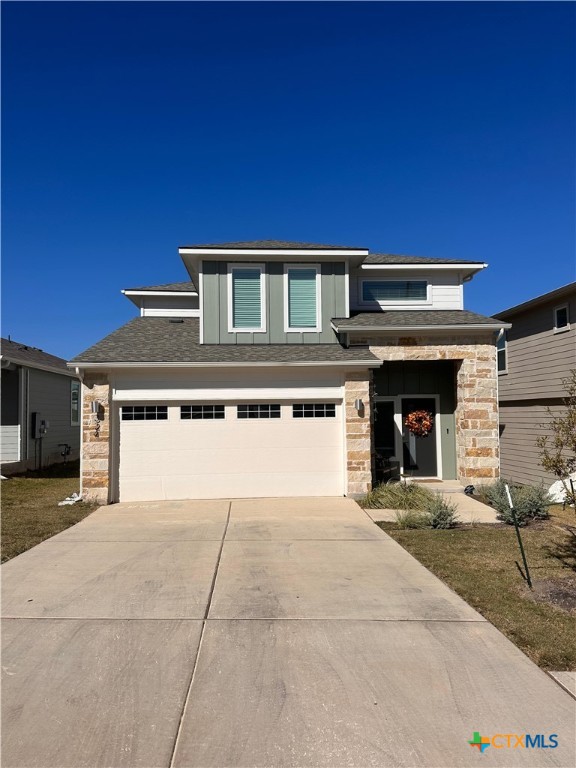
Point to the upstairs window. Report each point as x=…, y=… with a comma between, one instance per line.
x=302, y=298
x=399, y=291
x=74, y=403
x=561, y=319
x=246, y=298
x=502, y=354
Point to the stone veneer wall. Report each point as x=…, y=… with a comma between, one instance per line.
x=358, y=432
x=477, y=441
x=96, y=450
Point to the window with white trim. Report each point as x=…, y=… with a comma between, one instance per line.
x=502, y=354
x=302, y=298
x=561, y=319
x=314, y=410
x=74, y=403
x=246, y=298
x=201, y=411
x=259, y=411
x=390, y=291
x=144, y=412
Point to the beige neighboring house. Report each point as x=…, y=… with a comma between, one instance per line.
x=289, y=369
x=40, y=409
x=534, y=356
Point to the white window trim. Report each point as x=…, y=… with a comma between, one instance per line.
x=504, y=371
x=318, y=327
x=566, y=327
x=399, y=302
x=75, y=423
x=247, y=265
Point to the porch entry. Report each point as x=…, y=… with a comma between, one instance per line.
x=398, y=450
x=400, y=387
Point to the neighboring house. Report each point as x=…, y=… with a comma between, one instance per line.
x=40, y=415
x=534, y=356
x=288, y=369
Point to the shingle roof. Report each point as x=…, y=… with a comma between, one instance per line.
x=176, y=287
x=275, y=244
x=22, y=354
x=158, y=340
x=415, y=318
x=556, y=294
x=392, y=258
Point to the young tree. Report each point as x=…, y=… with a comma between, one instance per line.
x=558, y=452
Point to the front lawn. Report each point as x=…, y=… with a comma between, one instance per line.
x=478, y=562
x=30, y=511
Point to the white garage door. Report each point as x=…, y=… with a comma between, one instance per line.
x=240, y=450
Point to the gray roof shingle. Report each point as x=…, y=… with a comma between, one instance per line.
x=415, y=318
x=23, y=354
x=158, y=340
x=391, y=258
x=175, y=287
x=275, y=244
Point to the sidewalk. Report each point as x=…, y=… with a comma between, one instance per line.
x=469, y=510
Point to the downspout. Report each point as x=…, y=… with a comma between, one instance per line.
x=81, y=377
x=501, y=333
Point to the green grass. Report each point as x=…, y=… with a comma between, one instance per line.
x=30, y=511
x=478, y=562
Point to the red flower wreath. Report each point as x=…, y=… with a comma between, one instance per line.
x=420, y=423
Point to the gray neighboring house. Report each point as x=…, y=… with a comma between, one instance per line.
x=534, y=356
x=291, y=369
x=40, y=409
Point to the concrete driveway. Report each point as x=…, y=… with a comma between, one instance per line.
x=269, y=632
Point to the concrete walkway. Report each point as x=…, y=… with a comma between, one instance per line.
x=285, y=632
x=469, y=510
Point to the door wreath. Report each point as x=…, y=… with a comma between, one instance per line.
x=420, y=423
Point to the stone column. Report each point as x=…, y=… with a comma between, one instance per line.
x=96, y=451
x=477, y=440
x=358, y=433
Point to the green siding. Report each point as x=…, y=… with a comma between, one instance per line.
x=415, y=377
x=215, y=306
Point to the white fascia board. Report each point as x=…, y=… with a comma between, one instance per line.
x=324, y=364
x=428, y=328
x=160, y=293
x=402, y=267
x=40, y=367
x=268, y=255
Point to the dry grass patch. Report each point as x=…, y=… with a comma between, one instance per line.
x=479, y=563
x=30, y=511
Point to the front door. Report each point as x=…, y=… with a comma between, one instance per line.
x=419, y=453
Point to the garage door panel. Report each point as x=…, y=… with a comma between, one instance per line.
x=230, y=460
x=250, y=486
x=217, y=458
x=216, y=435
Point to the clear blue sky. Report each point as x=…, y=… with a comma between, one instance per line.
x=434, y=129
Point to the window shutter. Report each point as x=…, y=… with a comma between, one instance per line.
x=246, y=298
x=302, y=298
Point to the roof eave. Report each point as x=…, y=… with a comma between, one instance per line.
x=369, y=363
x=427, y=328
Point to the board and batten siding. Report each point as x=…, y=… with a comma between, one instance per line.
x=215, y=306
x=537, y=358
x=49, y=395
x=520, y=425
x=445, y=288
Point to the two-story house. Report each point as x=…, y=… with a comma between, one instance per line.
x=291, y=369
x=535, y=356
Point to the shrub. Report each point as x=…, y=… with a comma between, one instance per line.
x=531, y=502
x=412, y=518
x=442, y=513
x=394, y=495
